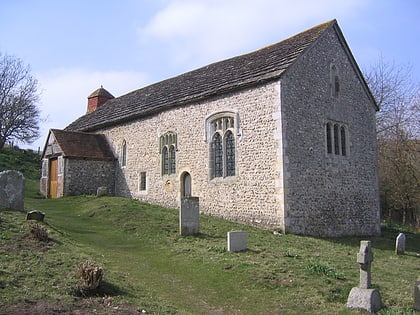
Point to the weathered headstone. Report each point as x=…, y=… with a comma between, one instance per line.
x=189, y=216
x=364, y=297
x=400, y=244
x=102, y=191
x=12, y=185
x=365, y=258
x=417, y=295
x=35, y=215
x=237, y=241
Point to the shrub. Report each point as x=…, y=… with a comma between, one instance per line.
x=38, y=232
x=90, y=278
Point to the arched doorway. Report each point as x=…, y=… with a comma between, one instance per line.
x=185, y=185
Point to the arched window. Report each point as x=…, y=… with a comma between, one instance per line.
x=336, y=136
x=172, y=165
x=336, y=140
x=343, y=141
x=222, y=132
x=186, y=185
x=230, y=153
x=168, y=147
x=329, y=138
x=124, y=154
x=217, y=155
x=335, y=81
x=165, y=160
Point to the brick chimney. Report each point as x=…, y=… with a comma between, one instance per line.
x=98, y=98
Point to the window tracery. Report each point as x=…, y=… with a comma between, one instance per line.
x=168, y=148
x=222, y=132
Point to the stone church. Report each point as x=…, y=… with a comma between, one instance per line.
x=283, y=138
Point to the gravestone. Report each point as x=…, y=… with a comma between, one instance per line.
x=189, y=216
x=102, y=191
x=364, y=297
x=237, y=241
x=400, y=244
x=12, y=185
x=417, y=295
x=35, y=215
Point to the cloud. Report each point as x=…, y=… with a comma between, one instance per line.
x=64, y=94
x=197, y=32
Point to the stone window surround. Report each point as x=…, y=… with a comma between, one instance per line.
x=230, y=122
x=168, y=145
x=335, y=143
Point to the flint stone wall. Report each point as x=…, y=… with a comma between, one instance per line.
x=84, y=177
x=284, y=177
x=12, y=190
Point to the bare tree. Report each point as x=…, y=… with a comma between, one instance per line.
x=398, y=131
x=398, y=97
x=19, y=98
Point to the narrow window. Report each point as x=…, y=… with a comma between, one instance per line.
x=165, y=160
x=343, y=141
x=124, y=154
x=336, y=86
x=329, y=139
x=172, y=164
x=230, y=154
x=334, y=81
x=336, y=140
x=217, y=155
x=143, y=181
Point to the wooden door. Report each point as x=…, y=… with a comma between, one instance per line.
x=52, y=191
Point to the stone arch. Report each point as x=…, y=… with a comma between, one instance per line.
x=186, y=185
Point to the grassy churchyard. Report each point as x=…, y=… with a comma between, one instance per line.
x=150, y=269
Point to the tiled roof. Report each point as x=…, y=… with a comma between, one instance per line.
x=83, y=145
x=220, y=77
x=101, y=92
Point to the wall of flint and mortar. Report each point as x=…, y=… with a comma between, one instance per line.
x=284, y=177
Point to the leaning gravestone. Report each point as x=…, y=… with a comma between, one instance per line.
x=400, y=244
x=364, y=297
x=12, y=185
x=189, y=216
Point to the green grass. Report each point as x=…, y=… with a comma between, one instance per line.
x=148, y=265
x=25, y=161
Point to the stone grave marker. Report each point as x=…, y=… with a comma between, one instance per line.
x=237, y=241
x=35, y=215
x=400, y=244
x=102, y=191
x=189, y=216
x=417, y=295
x=364, y=297
x=12, y=185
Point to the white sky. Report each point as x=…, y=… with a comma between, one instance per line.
x=75, y=46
